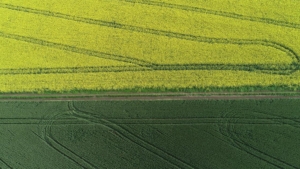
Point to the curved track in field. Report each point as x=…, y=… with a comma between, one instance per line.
x=142, y=64
x=48, y=139
x=131, y=137
x=229, y=131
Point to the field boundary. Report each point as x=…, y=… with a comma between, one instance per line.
x=111, y=96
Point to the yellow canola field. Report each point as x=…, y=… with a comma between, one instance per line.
x=145, y=46
x=139, y=80
x=144, y=35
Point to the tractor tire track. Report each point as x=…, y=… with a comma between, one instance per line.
x=37, y=121
x=66, y=70
x=251, y=149
x=130, y=137
x=277, y=119
x=76, y=49
x=115, y=25
x=259, y=68
x=142, y=121
x=58, y=147
x=230, y=142
x=4, y=164
x=216, y=12
x=229, y=132
x=223, y=130
x=281, y=119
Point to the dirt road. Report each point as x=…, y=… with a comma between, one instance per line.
x=119, y=96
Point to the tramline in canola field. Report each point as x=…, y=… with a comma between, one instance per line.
x=138, y=44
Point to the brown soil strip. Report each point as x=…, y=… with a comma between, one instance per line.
x=150, y=98
x=148, y=94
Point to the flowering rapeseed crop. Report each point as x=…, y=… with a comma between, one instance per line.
x=126, y=44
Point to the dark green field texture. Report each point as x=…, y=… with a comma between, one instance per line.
x=235, y=134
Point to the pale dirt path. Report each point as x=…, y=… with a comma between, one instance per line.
x=143, y=96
